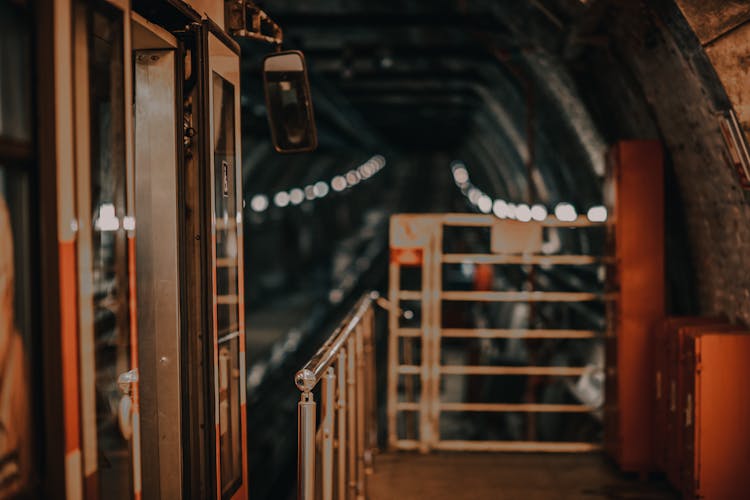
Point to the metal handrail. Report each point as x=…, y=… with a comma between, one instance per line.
x=345, y=367
x=309, y=376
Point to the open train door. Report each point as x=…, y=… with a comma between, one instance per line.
x=221, y=84
x=189, y=256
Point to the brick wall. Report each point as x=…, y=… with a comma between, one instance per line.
x=707, y=209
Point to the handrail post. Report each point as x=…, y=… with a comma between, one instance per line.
x=361, y=429
x=306, y=447
x=371, y=443
x=344, y=366
x=394, y=285
x=328, y=397
x=351, y=426
x=341, y=427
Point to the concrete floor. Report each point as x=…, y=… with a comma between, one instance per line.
x=501, y=476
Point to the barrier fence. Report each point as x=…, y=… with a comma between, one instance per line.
x=346, y=438
x=417, y=242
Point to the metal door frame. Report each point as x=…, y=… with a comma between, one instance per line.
x=221, y=55
x=155, y=59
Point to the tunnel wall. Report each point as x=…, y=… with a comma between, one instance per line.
x=686, y=98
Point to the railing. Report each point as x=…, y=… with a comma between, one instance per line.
x=347, y=436
x=415, y=353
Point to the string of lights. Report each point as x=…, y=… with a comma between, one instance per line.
x=502, y=209
x=320, y=189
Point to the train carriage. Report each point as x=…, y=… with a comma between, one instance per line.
x=123, y=120
x=543, y=295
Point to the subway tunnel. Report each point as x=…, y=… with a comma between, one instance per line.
x=518, y=91
x=519, y=243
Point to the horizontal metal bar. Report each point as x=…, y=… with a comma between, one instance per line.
x=468, y=220
x=227, y=299
x=576, y=260
x=409, y=370
x=407, y=406
x=517, y=407
x=581, y=221
x=562, y=371
x=310, y=374
x=514, y=333
x=407, y=444
x=474, y=220
x=409, y=295
x=409, y=332
x=504, y=333
x=479, y=296
x=226, y=262
x=526, y=446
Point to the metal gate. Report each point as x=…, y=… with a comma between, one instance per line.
x=417, y=241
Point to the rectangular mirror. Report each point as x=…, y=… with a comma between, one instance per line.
x=288, y=102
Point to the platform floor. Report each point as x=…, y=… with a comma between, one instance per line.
x=506, y=476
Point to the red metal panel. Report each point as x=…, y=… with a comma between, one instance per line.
x=717, y=434
x=665, y=400
x=635, y=195
x=407, y=256
x=676, y=417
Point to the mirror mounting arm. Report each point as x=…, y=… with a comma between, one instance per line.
x=245, y=19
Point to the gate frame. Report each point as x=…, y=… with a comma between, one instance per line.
x=416, y=240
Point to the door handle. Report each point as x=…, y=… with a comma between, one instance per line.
x=127, y=379
x=125, y=407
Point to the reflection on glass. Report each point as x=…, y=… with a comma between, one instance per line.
x=227, y=291
x=15, y=342
x=109, y=247
x=290, y=128
x=288, y=100
x=15, y=74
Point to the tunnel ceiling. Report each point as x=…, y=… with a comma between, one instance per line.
x=479, y=81
x=482, y=80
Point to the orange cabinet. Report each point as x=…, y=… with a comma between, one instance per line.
x=634, y=194
x=715, y=413
x=675, y=351
x=665, y=394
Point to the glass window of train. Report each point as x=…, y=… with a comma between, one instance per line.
x=15, y=74
x=109, y=246
x=16, y=437
x=227, y=284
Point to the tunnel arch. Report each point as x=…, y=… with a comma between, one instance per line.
x=600, y=71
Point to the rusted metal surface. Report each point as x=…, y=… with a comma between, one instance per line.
x=710, y=19
x=723, y=29
x=730, y=55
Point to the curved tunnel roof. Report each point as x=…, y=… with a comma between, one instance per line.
x=506, y=85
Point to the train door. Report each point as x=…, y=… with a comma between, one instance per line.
x=155, y=97
x=221, y=80
x=106, y=250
